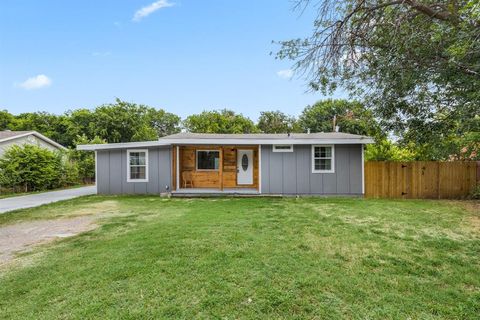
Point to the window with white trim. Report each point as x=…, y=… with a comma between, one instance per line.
x=323, y=159
x=208, y=160
x=137, y=169
x=282, y=148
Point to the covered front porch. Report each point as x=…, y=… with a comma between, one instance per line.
x=215, y=169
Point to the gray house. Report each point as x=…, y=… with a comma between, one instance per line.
x=270, y=164
x=10, y=138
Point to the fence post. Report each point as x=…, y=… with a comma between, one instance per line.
x=478, y=172
x=438, y=179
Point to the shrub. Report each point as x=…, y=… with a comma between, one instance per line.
x=385, y=150
x=85, y=160
x=475, y=193
x=70, y=173
x=31, y=168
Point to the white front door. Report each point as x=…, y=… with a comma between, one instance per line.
x=244, y=167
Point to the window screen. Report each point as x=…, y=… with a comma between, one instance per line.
x=137, y=161
x=323, y=158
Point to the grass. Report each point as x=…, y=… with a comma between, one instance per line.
x=252, y=258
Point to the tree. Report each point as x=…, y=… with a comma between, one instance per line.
x=351, y=117
x=118, y=122
x=277, y=122
x=85, y=160
x=50, y=125
x=6, y=119
x=164, y=123
x=219, y=121
x=415, y=64
x=81, y=122
x=125, y=122
x=385, y=150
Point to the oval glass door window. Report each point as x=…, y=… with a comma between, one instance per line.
x=245, y=162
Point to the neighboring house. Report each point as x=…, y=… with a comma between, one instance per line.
x=271, y=164
x=10, y=138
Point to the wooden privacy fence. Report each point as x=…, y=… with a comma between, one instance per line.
x=420, y=179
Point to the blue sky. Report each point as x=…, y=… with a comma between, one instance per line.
x=184, y=56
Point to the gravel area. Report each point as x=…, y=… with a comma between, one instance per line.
x=23, y=236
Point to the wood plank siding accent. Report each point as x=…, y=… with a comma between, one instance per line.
x=225, y=176
x=420, y=179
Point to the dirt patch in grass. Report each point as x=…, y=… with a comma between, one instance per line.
x=23, y=236
x=475, y=221
x=99, y=208
x=472, y=221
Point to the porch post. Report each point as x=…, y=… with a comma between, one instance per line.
x=220, y=172
x=363, y=170
x=178, y=168
x=259, y=168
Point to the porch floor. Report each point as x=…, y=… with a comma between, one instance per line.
x=214, y=192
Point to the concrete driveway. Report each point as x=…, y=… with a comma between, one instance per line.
x=37, y=199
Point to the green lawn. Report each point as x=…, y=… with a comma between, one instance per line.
x=249, y=258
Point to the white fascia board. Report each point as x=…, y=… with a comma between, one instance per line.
x=265, y=141
x=109, y=146
x=245, y=142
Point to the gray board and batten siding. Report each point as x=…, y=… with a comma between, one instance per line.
x=291, y=172
x=112, y=172
x=286, y=173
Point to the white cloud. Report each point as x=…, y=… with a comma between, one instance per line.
x=37, y=82
x=151, y=8
x=285, y=74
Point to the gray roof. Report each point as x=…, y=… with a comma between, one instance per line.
x=264, y=136
x=9, y=134
x=238, y=139
x=12, y=135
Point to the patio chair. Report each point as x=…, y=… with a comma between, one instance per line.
x=187, y=178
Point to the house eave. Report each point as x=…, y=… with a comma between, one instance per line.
x=36, y=134
x=265, y=141
x=122, y=145
x=168, y=142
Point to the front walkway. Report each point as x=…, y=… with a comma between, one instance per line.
x=37, y=199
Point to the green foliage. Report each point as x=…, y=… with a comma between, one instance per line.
x=277, y=122
x=5, y=119
x=81, y=123
x=385, y=150
x=50, y=125
x=70, y=172
x=219, y=121
x=351, y=117
x=117, y=122
x=31, y=168
x=126, y=122
x=85, y=160
x=415, y=64
x=475, y=193
x=162, y=122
